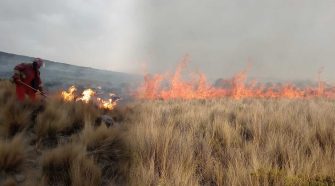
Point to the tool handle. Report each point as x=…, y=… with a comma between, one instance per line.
x=42, y=93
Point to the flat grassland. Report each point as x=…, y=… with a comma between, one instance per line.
x=200, y=142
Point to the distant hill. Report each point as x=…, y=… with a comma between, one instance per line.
x=57, y=76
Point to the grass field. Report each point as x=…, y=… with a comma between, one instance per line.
x=200, y=142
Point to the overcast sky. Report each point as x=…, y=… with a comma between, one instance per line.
x=279, y=38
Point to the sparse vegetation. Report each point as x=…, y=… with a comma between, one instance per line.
x=203, y=142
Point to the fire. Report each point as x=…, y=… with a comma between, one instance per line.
x=107, y=104
x=237, y=87
x=69, y=95
x=89, y=95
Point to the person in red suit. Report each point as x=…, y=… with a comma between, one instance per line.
x=25, y=75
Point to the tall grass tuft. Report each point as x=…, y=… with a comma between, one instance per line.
x=107, y=147
x=68, y=165
x=12, y=154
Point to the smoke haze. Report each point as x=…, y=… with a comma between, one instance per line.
x=281, y=39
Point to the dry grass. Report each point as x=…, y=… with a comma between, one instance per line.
x=9, y=182
x=107, y=147
x=230, y=142
x=12, y=154
x=14, y=117
x=68, y=165
x=207, y=142
x=63, y=118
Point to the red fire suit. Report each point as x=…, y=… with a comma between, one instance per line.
x=28, y=75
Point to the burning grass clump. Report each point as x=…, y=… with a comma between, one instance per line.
x=69, y=165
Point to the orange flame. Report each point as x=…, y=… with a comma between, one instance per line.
x=106, y=104
x=88, y=95
x=69, y=95
x=238, y=88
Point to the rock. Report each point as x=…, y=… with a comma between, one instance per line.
x=19, y=178
x=107, y=120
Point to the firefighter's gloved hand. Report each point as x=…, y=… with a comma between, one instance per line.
x=20, y=74
x=39, y=93
x=23, y=76
x=16, y=80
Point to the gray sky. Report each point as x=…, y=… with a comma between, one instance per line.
x=96, y=33
x=280, y=38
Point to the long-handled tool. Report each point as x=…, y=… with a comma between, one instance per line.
x=42, y=93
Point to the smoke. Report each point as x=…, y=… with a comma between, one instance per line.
x=280, y=39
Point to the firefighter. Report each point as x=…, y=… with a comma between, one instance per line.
x=27, y=79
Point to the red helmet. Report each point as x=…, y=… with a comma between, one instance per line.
x=39, y=62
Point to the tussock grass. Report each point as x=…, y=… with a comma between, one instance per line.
x=14, y=119
x=107, y=147
x=232, y=142
x=68, y=165
x=9, y=182
x=201, y=142
x=12, y=154
x=63, y=118
x=15, y=116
